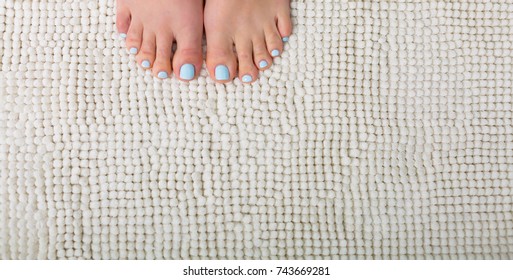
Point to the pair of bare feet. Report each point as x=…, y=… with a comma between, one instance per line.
x=243, y=36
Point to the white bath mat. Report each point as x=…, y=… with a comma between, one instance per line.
x=385, y=131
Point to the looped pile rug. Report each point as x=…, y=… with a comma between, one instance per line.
x=385, y=131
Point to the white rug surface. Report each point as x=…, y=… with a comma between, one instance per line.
x=385, y=131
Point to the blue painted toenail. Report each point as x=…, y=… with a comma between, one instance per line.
x=145, y=64
x=133, y=50
x=262, y=64
x=187, y=72
x=247, y=78
x=285, y=39
x=122, y=35
x=162, y=75
x=275, y=53
x=222, y=73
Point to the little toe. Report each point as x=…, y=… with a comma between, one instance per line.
x=221, y=61
x=247, y=70
x=134, y=37
x=284, y=22
x=122, y=19
x=162, y=65
x=146, y=55
x=274, y=41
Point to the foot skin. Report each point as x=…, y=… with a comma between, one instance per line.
x=150, y=28
x=257, y=29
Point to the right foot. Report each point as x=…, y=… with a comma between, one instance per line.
x=257, y=29
x=150, y=28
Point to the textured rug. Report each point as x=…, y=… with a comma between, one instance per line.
x=385, y=131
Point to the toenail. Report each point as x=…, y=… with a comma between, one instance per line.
x=145, y=64
x=162, y=75
x=187, y=72
x=122, y=35
x=275, y=53
x=222, y=73
x=247, y=78
x=285, y=39
x=133, y=50
x=262, y=64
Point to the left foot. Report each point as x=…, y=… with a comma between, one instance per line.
x=257, y=29
x=151, y=26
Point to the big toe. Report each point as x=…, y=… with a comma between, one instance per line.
x=221, y=60
x=188, y=58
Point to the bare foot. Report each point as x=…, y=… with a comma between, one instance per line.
x=150, y=28
x=257, y=29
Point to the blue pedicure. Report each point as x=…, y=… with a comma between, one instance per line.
x=133, y=50
x=275, y=53
x=222, y=73
x=247, y=78
x=262, y=64
x=285, y=39
x=145, y=64
x=187, y=72
x=122, y=35
x=162, y=75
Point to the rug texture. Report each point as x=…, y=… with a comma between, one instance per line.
x=384, y=131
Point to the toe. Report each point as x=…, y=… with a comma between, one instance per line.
x=162, y=66
x=122, y=19
x=261, y=56
x=284, y=22
x=273, y=41
x=188, y=57
x=146, y=55
x=247, y=69
x=134, y=37
x=221, y=61
x=284, y=27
